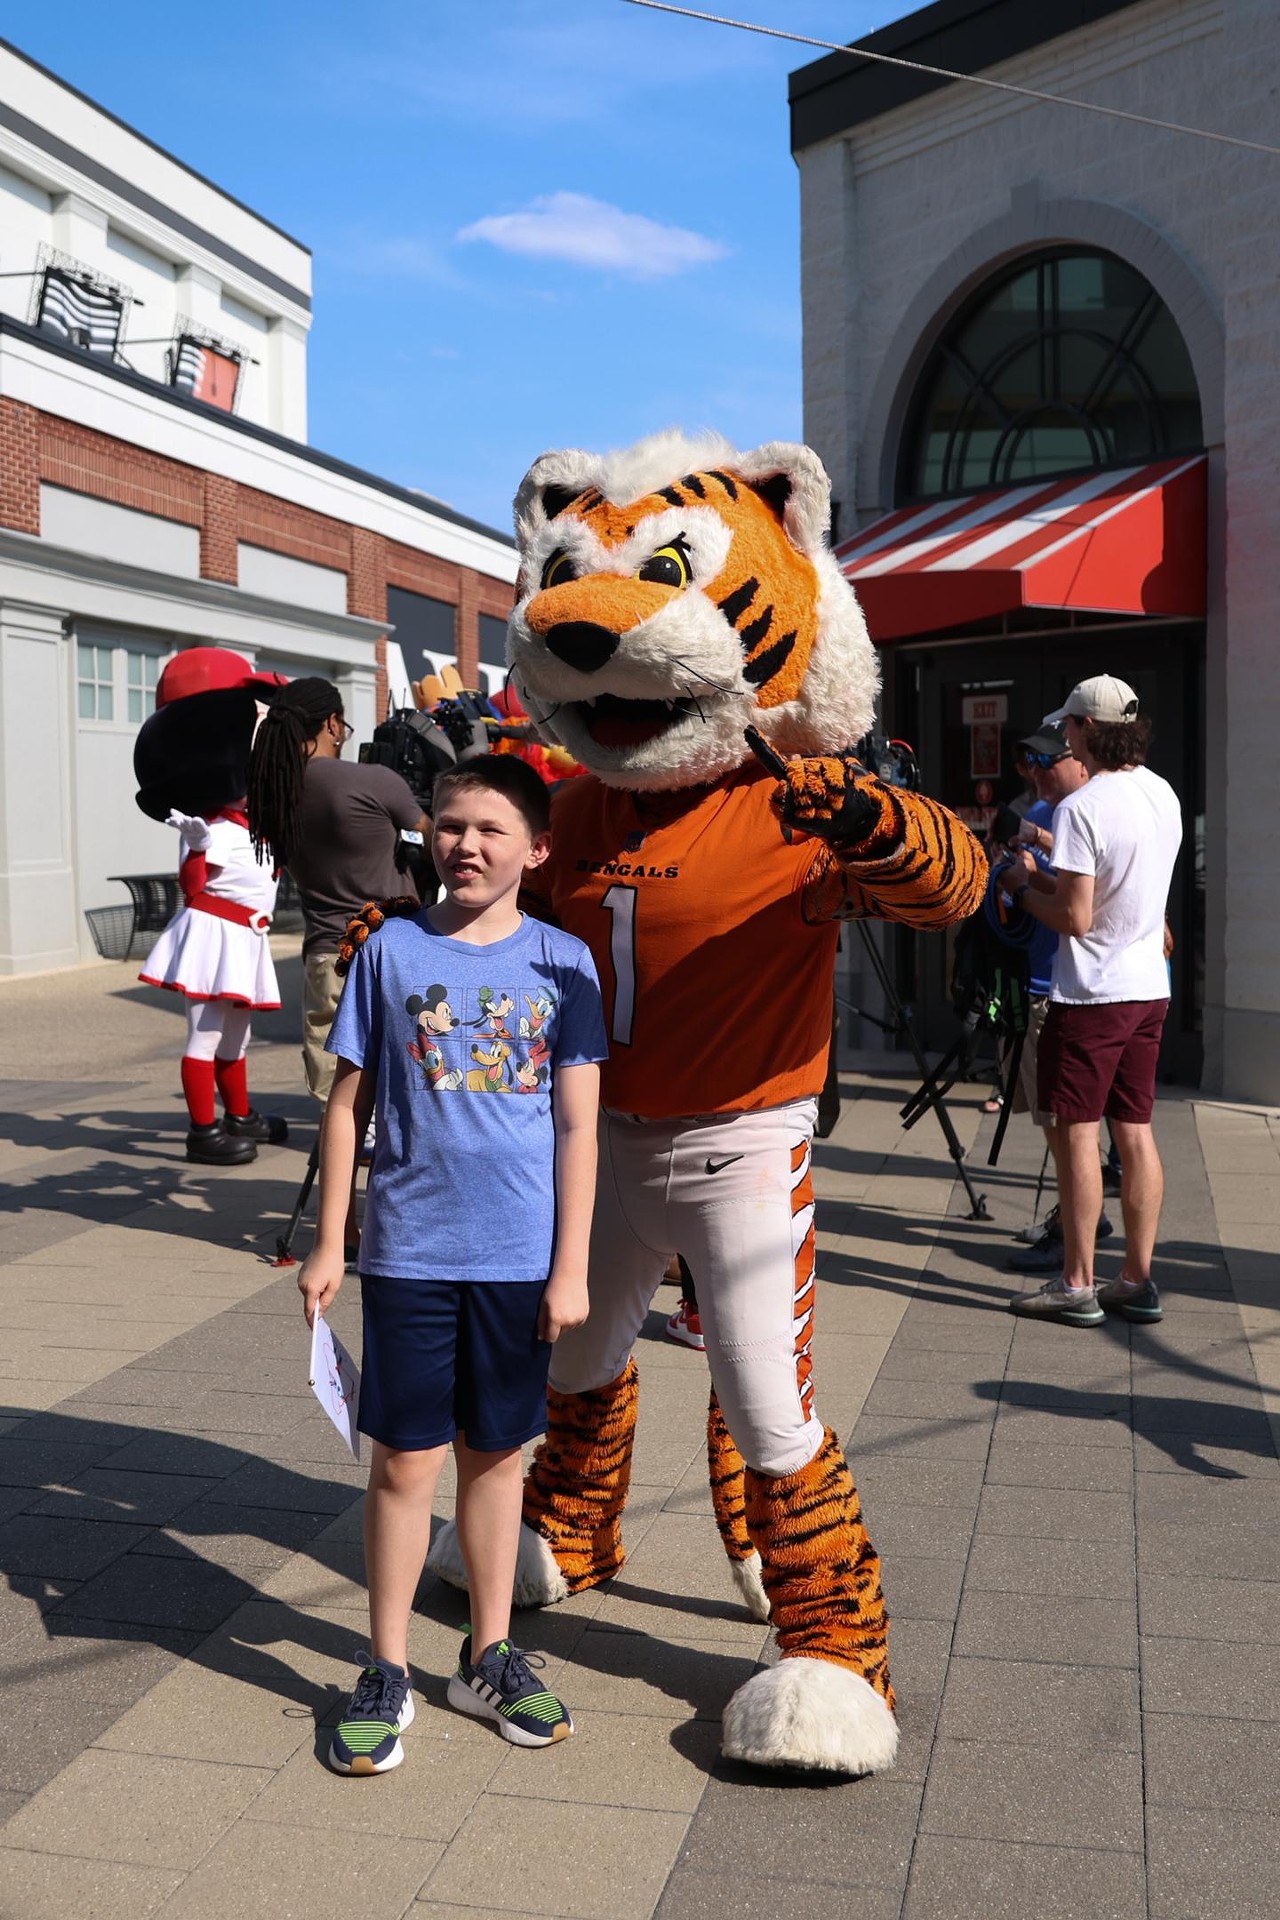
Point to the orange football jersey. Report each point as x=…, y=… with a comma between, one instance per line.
x=717, y=992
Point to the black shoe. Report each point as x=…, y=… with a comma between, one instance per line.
x=1110, y=1180
x=1045, y=1255
x=268, y=1129
x=212, y=1146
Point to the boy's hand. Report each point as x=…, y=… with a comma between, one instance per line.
x=564, y=1305
x=319, y=1278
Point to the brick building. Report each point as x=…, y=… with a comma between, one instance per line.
x=157, y=491
x=1040, y=361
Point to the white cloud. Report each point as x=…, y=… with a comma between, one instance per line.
x=590, y=233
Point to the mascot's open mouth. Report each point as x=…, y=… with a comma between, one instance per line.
x=613, y=722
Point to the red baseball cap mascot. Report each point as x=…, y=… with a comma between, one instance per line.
x=191, y=762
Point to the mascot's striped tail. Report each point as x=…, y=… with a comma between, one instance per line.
x=828, y=1704
x=574, y=1493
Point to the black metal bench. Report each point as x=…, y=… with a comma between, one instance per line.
x=154, y=898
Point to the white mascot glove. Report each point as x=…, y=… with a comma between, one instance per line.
x=193, y=829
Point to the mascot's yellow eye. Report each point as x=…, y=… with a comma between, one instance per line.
x=558, y=569
x=668, y=567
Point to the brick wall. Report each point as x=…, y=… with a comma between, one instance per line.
x=37, y=447
x=19, y=467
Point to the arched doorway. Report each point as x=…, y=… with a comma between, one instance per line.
x=1063, y=362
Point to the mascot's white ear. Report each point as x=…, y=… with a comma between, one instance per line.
x=794, y=482
x=551, y=483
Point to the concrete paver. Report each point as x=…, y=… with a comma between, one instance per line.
x=1078, y=1532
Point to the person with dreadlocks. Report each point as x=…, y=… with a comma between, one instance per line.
x=335, y=825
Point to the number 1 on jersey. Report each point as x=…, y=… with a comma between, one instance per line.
x=620, y=904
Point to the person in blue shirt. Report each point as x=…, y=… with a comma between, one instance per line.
x=473, y=1033
x=1055, y=773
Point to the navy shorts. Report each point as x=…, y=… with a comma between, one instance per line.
x=443, y=1357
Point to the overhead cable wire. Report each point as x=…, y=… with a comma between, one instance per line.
x=946, y=73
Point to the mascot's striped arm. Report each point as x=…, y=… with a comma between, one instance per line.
x=888, y=854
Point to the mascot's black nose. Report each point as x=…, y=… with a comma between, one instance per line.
x=581, y=644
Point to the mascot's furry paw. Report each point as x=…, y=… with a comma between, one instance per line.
x=832, y=797
x=746, y=1578
x=538, y=1583
x=812, y=1715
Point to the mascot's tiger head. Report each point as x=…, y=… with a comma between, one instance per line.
x=671, y=595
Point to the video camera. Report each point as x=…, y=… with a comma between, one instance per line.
x=892, y=761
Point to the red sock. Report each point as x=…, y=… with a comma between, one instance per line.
x=197, y=1086
x=233, y=1086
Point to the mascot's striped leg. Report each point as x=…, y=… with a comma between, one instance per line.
x=576, y=1487
x=728, y=1500
x=574, y=1493
x=828, y=1704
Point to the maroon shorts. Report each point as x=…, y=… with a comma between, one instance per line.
x=1096, y=1060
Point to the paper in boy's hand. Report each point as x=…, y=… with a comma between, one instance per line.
x=335, y=1380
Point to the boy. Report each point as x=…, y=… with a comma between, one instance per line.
x=473, y=1256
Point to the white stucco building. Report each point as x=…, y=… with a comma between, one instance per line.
x=1040, y=361
x=157, y=491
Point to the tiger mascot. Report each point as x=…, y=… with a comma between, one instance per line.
x=668, y=596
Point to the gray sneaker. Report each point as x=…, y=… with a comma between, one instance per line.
x=1135, y=1299
x=1074, y=1306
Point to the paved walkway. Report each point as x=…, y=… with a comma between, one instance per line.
x=1079, y=1532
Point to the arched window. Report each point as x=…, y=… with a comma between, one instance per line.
x=1064, y=362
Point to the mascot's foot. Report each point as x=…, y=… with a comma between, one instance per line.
x=538, y=1583
x=746, y=1578
x=812, y=1715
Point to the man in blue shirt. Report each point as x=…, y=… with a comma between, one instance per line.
x=474, y=1033
x=1055, y=773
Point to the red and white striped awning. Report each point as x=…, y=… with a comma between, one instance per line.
x=1131, y=541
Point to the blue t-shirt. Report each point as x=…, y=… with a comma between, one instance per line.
x=1013, y=924
x=466, y=1041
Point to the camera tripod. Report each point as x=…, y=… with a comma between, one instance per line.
x=931, y=1091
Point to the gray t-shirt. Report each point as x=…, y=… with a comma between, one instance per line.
x=350, y=821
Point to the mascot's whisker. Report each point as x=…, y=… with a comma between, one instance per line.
x=687, y=666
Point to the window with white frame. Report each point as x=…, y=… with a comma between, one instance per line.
x=142, y=671
x=95, y=669
x=116, y=679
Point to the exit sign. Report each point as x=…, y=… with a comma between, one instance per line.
x=977, y=707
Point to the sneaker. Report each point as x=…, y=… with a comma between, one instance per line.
x=1135, y=1299
x=500, y=1687
x=268, y=1129
x=213, y=1146
x=367, y=1738
x=1110, y=1180
x=685, y=1328
x=1046, y=1240
x=1044, y=1257
x=1075, y=1306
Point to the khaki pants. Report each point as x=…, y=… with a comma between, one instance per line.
x=321, y=991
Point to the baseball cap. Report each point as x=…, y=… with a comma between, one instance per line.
x=1103, y=698
x=1051, y=740
x=209, y=670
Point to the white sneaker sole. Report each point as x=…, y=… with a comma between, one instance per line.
x=461, y=1697
x=361, y=1766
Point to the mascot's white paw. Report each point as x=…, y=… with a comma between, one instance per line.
x=538, y=1583
x=810, y=1714
x=746, y=1578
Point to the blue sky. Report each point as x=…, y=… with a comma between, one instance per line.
x=533, y=223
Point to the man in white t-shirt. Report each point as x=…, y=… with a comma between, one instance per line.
x=1115, y=841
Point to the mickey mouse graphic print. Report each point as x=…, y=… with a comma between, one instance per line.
x=461, y=1187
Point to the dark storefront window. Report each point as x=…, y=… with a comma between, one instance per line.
x=425, y=628
x=1063, y=363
